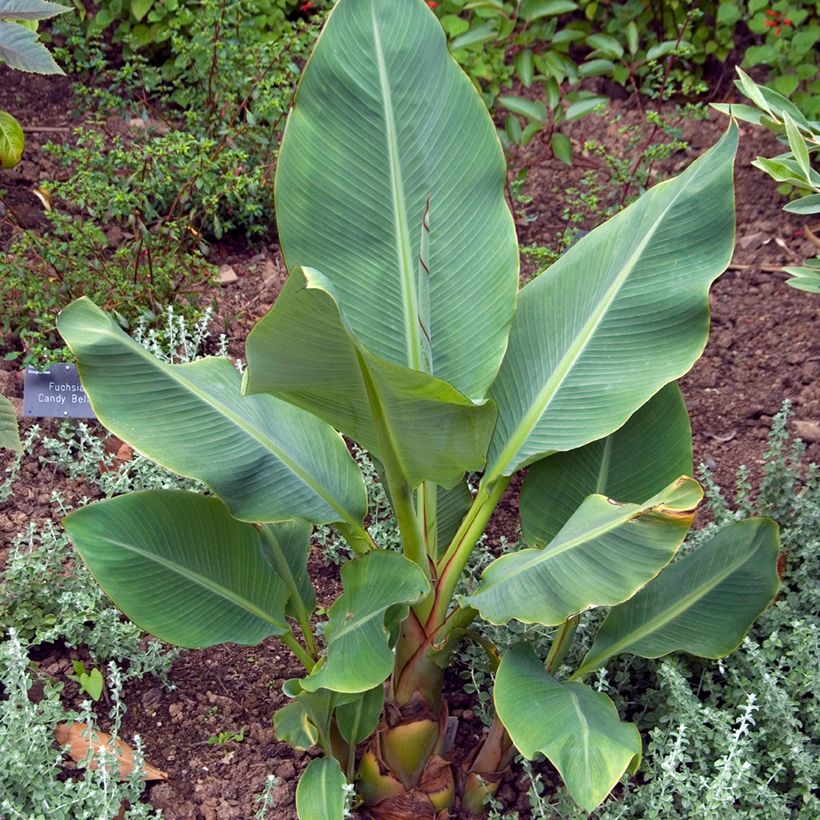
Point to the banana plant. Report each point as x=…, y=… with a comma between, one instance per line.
x=402, y=327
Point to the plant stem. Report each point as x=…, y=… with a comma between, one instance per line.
x=426, y=499
x=561, y=643
x=289, y=640
x=401, y=494
x=452, y=564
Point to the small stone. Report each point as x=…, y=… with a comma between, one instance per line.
x=285, y=771
x=227, y=275
x=807, y=430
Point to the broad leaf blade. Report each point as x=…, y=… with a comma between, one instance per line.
x=293, y=726
x=367, y=146
x=602, y=556
x=9, y=434
x=359, y=656
x=577, y=728
x=320, y=794
x=21, y=50
x=622, y=313
x=267, y=459
x=180, y=567
x=357, y=719
x=634, y=463
x=417, y=423
x=703, y=604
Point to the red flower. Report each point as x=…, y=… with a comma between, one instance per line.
x=777, y=31
x=432, y=4
x=787, y=22
x=771, y=12
x=769, y=24
x=307, y=6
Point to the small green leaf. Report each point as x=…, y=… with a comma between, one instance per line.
x=532, y=109
x=581, y=108
x=359, y=656
x=703, y=604
x=139, y=8
x=536, y=9
x=603, y=42
x=524, y=66
x=806, y=205
x=475, y=36
x=632, y=37
x=596, y=68
x=577, y=728
x=9, y=434
x=561, y=147
x=798, y=146
x=320, y=794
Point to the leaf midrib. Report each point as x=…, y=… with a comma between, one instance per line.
x=558, y=376
x=402, y=237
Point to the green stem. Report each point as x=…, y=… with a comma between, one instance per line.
x=426, y=499
x=289, y=640
x=561, y=643
x=452, y=564
x=401, y=494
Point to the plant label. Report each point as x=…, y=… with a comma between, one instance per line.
x=55, y=393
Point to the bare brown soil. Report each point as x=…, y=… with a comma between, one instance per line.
x=764, y=348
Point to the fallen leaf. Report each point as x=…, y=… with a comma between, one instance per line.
x=82, y=739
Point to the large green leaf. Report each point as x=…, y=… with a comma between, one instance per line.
x=577, y=728
x=320, y=794
x=602, y=556
x=703, y=604
x=391, y=182
x=267, y=459
x=419, y=426
x=651, y=450
x=619, y=315
x=20, y=49
x=30, y=9
x=12, y=140
x=359, y=656
x=9, y=434
x=180, y=567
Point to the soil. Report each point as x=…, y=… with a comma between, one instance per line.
x=764, y=348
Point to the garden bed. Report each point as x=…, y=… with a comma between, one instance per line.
x=763, y=348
